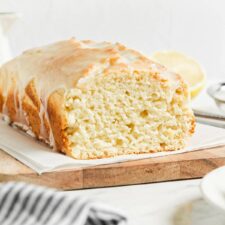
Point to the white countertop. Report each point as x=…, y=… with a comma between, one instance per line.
x=166, y=203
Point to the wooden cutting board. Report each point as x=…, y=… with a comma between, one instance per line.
x=174, y=167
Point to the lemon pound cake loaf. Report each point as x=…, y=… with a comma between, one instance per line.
x=94, y=100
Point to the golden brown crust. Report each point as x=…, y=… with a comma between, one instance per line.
x=1, y=101
x=12, y=103
x=193, y=125
x=58, y=120
x=31, y=92
x=31, y=105
x=32, y=115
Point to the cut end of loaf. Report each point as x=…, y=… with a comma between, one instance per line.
x=127, y=114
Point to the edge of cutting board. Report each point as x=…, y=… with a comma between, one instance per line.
x=173, y=167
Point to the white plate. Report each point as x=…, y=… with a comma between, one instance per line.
x=213, y=187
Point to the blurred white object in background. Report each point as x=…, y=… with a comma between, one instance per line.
x=6, y=21
x=213, y=188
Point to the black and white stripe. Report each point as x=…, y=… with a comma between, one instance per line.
x=26, y=204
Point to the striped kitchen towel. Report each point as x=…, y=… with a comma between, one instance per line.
x=26, y=204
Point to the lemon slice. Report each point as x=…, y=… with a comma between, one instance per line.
x=185, y=66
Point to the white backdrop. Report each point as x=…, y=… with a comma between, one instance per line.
x=195, y=27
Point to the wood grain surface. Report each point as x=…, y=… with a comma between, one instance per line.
x=174, y=167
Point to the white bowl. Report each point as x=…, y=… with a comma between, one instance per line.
x=213, y=188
